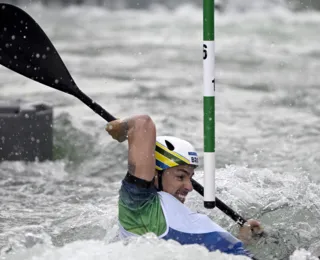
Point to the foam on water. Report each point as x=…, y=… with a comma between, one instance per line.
x=143, y=248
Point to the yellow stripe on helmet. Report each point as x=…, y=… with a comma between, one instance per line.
x=165, y=160
x=172, y=153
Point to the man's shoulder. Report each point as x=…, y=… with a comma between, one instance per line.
x=140, y=210
x=134, y=196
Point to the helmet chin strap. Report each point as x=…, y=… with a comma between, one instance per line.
x=160, y=188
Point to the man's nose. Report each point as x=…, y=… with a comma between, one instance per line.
x=188, y=185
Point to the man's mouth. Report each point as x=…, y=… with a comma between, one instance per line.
x=181, y=197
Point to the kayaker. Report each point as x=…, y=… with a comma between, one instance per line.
x=153, y=192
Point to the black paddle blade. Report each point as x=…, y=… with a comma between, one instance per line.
x=26, y=49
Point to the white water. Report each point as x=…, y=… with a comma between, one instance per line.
x=151, y=62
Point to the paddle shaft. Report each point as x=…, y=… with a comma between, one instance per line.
x=220, y=205
x=93, y=105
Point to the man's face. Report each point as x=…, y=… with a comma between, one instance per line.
x=177, y=181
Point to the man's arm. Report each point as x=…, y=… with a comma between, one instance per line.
x=141, y=134
x=139, y=206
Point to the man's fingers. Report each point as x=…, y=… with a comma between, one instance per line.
x=109, y=127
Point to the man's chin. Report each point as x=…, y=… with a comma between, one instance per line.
x=181, y=199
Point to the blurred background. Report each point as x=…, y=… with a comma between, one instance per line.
x=145, y=4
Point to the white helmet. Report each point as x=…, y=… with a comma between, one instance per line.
x=172, y=151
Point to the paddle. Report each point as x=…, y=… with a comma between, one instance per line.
x=26, y=49
x=220, y=205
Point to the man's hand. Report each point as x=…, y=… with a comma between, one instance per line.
x=118, y=129
x=249, y=230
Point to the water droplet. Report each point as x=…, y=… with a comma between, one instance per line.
x=56, y=81
x=48, y=48
x=13, y=37
x=38, y=55
x=3, y=7
x=15, y=57
x=44, y=56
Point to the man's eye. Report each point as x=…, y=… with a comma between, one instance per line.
x=180, y=177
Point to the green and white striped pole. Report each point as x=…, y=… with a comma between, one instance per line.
x=209, y=104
